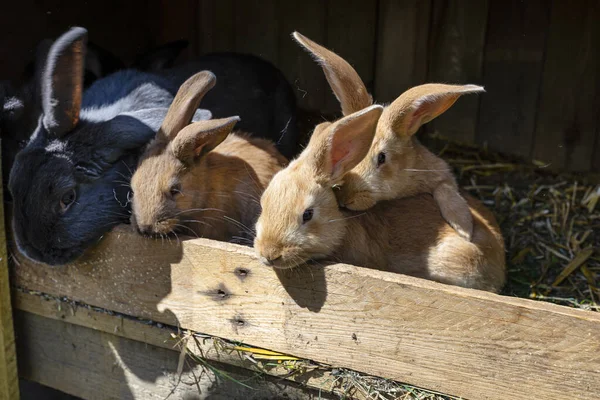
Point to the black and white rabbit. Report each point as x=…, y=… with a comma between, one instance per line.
x=20, y=108
x=70, y=184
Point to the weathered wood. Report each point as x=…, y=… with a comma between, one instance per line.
x=216, y=22
x=306, y=77
x=9, y=383
x=569, y=104
x=257, y=29
x=134, y=329
x=458, y=341
x=175, y=23
x=96, y=365
x=351, y=32
x=401, y=59
x=456, y=42
x=514, y=56
x=120, y=27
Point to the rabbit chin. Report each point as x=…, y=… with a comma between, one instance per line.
x=52, y=256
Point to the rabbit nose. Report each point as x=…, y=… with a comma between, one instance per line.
x=269, y=261
x=144, y=230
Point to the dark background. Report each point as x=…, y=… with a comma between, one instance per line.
x=538, y=60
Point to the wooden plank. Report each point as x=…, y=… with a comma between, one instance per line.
x=25, y=23
x=216, y=20
x=141, y=331
x=96, y=365
x=514, y=56
x=569, y=104
x=9, y=383
x=175, y=22
x=403, y=30
x=456, y=43
x=351, y=32
x=453, y=340
x=306, y=77
x=257, y=29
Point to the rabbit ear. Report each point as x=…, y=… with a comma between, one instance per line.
x=162, y=57
x=421, y=104
x=186, y=102
x=341, y=146
x=62, y=82
x=343, y=79
x=197, y=139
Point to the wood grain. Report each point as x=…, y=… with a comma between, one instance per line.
x=9, y=383
x=456, y=43
x=257, y=29
x=351, y=33
x=568, y=110
x=401, y=59
x=453, y=340
x=514, y=56
x=96, y=365
x=141, y=331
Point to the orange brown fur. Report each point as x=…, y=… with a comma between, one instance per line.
x=409, y=168
x=403, y=235
x=219, y=178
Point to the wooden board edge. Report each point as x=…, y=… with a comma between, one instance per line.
x=210, y=348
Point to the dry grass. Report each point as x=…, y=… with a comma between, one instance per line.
x=550, y=223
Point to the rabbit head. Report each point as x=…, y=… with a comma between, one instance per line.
x=396, y=165
x=300, y=218
x=69, y=184
x=157, y=182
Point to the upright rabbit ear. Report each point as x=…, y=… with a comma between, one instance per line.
x=62, y=82
x=186, y=102
x=341, y=146
x=343, y=79
x=421, y=104
x=197, y=139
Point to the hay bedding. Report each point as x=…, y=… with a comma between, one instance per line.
x=550, y=222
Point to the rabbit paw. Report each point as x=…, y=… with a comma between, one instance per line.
x=455, y=210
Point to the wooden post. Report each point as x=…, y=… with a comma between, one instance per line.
x=9, y=384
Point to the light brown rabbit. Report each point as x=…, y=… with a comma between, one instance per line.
x=301, y=221
x=199, y=179
x=397, y=164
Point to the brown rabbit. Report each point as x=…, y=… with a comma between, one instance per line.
x=397, y=164
x=199, y=179
x=301, y=221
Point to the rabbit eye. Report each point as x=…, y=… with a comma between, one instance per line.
x=67, y=199
x=175, y=190
x=380, y=158
x=307, y=215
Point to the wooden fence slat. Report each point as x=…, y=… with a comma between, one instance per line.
x=257, y=29
x=514, y=56
x=141, y=331
x=9, y=383
x=453, y=340
x=306, y=77
x=97, y=365
x=567, y=116
x=216, y=20
x=351, y=33
x=401, y=59
x=456, y=44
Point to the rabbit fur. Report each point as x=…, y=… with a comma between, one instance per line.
x=397, y=164
x=301, y=221
x=199, y=179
